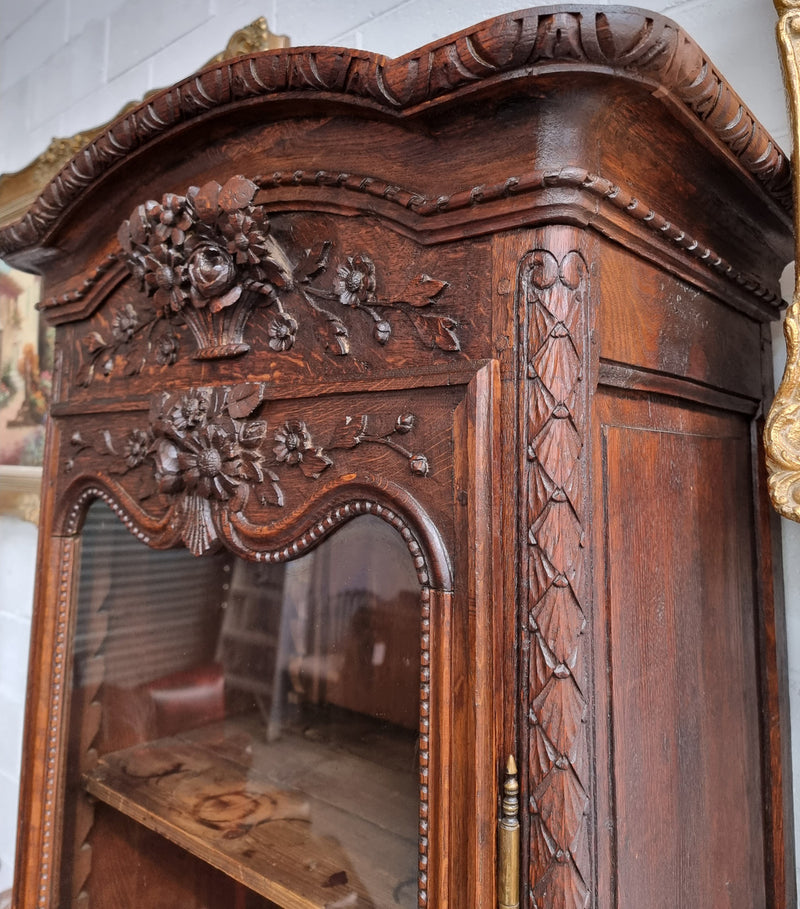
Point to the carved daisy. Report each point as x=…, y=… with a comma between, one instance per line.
x=136, y=448
x=246, y=233
x=166, y=278
x=172, y=219
x=293, y=441
x=282, y=330
x=356, y=281
x=125, y=323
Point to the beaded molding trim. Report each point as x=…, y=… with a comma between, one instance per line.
x=53, y=729
x=569, y=177
x=302, y=544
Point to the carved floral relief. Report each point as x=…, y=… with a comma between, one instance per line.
x=209, y=258
x=209, y=451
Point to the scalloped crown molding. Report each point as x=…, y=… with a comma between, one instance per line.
x=626, y=42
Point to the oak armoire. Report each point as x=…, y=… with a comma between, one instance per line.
x=404, y=536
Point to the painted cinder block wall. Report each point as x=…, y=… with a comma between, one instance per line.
x=68, y=65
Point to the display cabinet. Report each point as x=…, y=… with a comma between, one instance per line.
x=404, y=536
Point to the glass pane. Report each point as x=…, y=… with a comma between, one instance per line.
x=262, y=717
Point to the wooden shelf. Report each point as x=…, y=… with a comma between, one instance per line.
x=306, y=821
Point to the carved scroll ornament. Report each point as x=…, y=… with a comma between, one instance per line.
x=782, y=431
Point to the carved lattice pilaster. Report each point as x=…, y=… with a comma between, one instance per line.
x=554, y=293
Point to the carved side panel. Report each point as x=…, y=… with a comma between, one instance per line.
x=552, y=294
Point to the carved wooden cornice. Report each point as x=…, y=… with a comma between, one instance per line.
x=626, y=43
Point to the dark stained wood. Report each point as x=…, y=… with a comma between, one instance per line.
x=507, y=294
x=682, y=653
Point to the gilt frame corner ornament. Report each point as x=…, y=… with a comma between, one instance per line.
x=19, y=190
x=782, y=428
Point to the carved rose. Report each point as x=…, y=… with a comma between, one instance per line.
x=356, y=281
x=212, y=274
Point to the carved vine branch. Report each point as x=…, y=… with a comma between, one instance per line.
x=208, y=258
x=208, y=451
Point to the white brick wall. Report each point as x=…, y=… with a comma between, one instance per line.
x=17, y=557
x=67, y=65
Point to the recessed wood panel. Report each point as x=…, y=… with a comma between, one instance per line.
x=682, y=644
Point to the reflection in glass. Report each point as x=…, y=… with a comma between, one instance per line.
x=263, y=717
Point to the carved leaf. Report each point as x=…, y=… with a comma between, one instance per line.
x=237, y=193
x=228, y=299
x=85, y=374
x=559, y=534
x=244, y=399
x=437, y=331
x=108, y=442
x=349, y=433
x=277, y=493
x=540, y=573
x=540, y=487
x=253, y=432
x=557, y=364
x=542, y=755
x=339, y=343
x=94, y=343
x=562, y=802
x=560, y=710
x=136, y=355
x=542, y=848
x=206, y=200
x=560, y=301
x=314, y=261
x=557, y=447
x=561, y=887
x=421, y=291
x=560, y=621
x=542, y=406
x=314, y=462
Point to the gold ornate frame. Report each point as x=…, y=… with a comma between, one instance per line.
x=19, y=190
x=20, y=486
x=782, y=430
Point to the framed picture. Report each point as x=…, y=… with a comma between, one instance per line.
x=26, y=363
